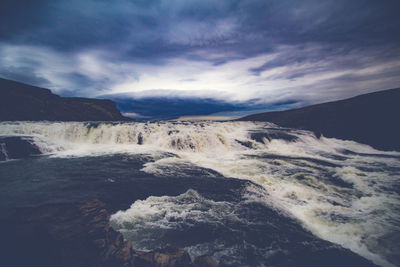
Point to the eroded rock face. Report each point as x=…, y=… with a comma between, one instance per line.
x=79, y=235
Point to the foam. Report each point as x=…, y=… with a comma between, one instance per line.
x=3, y=151
x=170, y=212
x=346, y=198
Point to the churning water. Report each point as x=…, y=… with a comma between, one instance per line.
x=341, y=191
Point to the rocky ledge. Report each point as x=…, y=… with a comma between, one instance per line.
x=22, y=102
x=80, y=235
x=368, y=119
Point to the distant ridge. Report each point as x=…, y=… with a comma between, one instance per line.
x=372, y=119
x=20, y=102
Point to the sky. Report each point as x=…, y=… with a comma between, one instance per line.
x=188, y=57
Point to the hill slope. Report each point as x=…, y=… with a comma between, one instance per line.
x=371, y=119
x=20, y=101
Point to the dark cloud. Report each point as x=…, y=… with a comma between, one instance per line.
x=154, y=29
x=78, y=83
x=304, y=60
x=172, y=108
x=26, y=75
x=162, y=108
x=127, y=38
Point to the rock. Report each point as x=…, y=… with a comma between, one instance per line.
x=273, y=134
x=204, y=261
x=70, y=235
x=167, y=256
x=79, y=235
x=370, y=119
x=20, y=101
x=171, y=256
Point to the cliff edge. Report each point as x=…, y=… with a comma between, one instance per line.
x=22, y=102
x=369, y=119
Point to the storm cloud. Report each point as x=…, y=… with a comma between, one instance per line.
x=233, y=51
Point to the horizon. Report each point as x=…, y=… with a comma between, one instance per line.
x=226, y=115
x=202, y=58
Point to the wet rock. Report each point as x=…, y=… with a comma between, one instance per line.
x=247, y=144
x=204, y=261
x=140, y=139
x=79, y=235
x=164, y=257
x=70, y=235
x=271, y=135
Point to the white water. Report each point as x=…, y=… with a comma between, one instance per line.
x=361, y=216
x=146, y=220
x=169, y=212
x=4, y=151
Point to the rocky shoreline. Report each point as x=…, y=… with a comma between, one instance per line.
x=80, y=235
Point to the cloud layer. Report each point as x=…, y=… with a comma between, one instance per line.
x=233, y=51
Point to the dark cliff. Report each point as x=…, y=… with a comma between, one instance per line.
x=370, y=119
x=19, y=101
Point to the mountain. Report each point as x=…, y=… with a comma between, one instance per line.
x=20, y=101
x=371, y=119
